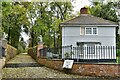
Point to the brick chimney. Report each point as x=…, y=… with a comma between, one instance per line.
x=84, y=11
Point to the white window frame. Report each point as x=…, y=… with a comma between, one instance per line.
x=92, y=30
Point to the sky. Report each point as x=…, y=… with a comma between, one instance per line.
x=78, y=4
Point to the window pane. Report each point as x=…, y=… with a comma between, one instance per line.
x=94, y=30
x=88, y=30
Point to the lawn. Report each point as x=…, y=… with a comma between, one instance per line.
x=118, y=60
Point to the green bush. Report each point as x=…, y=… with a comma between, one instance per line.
x=118, y=52
x=68, y=55
x=33, y=52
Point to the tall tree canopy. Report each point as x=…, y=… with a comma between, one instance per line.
x=13, y=18
x=37, y=19
x=106, y=11
x=47, y=17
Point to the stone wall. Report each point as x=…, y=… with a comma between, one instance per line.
x=54, y=64
x=104, y=70
x=11, y=52
x=112, y=70
x=33, y=52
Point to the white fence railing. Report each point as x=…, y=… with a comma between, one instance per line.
x=97, y=52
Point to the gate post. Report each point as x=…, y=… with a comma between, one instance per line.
x=0, y=52
x=0, y=49
x=3, y=46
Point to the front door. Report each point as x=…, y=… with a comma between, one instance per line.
x=80, y=50
x=90, y=51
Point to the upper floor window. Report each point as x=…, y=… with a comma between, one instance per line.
x=91, y=31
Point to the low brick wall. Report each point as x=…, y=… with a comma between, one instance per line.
x=54, y=64
x=33, y=52
x=112, y=70
x=104, y=70
x=42, y=61
x=11, y=52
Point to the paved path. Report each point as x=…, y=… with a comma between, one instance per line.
x=23, y=66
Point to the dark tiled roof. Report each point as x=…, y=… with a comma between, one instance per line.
x=88, y=20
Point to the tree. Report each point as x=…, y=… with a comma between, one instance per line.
x=61, y=11
x=106, y=11
x=36, y=19
x=1, y=33
x=14, y=17
x=39, y=18
x=42, y=17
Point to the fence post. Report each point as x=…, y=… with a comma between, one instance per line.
x=71, y=51
x=71, y=47
x=0, y=49
x=0, y=52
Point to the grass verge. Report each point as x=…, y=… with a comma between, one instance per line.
x=118, y=59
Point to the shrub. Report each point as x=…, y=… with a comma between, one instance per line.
x=118, y=52
x=68, y=55
x=33, y=52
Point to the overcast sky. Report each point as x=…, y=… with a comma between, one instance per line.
x=78, y=4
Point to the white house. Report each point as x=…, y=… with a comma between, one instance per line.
x=87, y=31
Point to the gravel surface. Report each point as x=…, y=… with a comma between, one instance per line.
x=22, y=58
x=23, y=67
x=31, y=72
x=35, y=72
